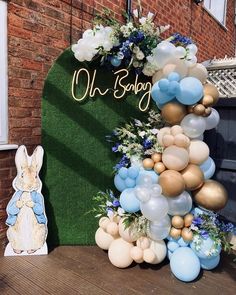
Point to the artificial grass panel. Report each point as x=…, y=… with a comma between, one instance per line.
x=78, y=161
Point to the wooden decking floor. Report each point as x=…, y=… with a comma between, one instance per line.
x=86, y=270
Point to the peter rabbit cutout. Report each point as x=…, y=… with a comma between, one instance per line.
x=26, y=219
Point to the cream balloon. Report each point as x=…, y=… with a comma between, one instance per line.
x=159, y=248
x=198, y=152
x=103, y=239
x=143, y=243
x=103, y=222
x=127, y=234
x=119, y=253
x=157, y=76
x=136, y=254
x=175, y=158
x=198, y=71
x=176, y=65
x=149, y=256
x=161, y=133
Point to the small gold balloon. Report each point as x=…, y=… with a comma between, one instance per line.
x=207, y=112
x=175, y=232
x=173, y=112
x=159, y=167
x=187, y=234
x=177, y=221
x=190, y=108
x=148, y=163
x=188, y=219
x=212, y=195
x=210, y=89
x=207, y=100
x=193, y=177
x=199, y=109
x=156, y=157
x=172, y=183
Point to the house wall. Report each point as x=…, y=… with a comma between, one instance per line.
x=38, y=31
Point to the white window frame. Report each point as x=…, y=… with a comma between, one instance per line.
x=214, y=16
x=3, y=74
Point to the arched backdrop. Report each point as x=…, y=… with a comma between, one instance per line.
x=78, y=161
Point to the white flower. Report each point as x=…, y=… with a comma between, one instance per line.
x=142, y=133
x=108, y=203
x=150, y=15
x=162, y=29
x=142, y=20
x=120, y=211
x=110, y=214
x=140, y=55
x=135, y=12
x=154, y=131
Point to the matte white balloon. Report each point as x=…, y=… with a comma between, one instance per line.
x=180, y=52
x=193, y=125
x=155, y=209
x=180, y=205
x=164, y=52
x=159, y=230
x=192, y=48
x=212, y=120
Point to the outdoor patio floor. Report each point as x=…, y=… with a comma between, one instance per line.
x=87, y=270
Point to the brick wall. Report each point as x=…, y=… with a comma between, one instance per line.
x=40, y=30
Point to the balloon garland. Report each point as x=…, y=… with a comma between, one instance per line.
x=167, y=203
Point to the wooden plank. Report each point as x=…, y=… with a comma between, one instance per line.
x=58, y=269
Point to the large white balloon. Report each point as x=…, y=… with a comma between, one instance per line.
x=159, y=230
x=193, y=125
x=212, y=120
x=180, y=205
x=164, y=52
x=142, y=193
x=155, y=208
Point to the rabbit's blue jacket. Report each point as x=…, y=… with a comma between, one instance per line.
x=12, y=210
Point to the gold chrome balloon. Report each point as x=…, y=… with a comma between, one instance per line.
x=193, y=177
x=173, y=112
x=212, y=195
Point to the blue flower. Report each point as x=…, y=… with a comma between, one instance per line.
x=136, y=37
x=124, y=161
x=204, y=234
x=147, y=144
x=116, y=203
x=115, y=148
x=197, y=221
x=178, y=38
x=227, y=227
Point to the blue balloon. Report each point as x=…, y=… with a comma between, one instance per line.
x=163, y=97
x=128, y=201
x=185, y=264
x=150, y=173
x=119, y=183
x=208, y=168
x=174, y=88
x=133, y=172
x=154, y=90
x=115, y=61
x=130, y=182
x=205, y=250
x=169, y=254
x=191, y=91
x=172, y=246
x=173, y=77
x=211, y=263
x=123, y=172
x=182, y=242
x=163, y=85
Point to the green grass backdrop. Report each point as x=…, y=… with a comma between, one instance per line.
x=78, y=161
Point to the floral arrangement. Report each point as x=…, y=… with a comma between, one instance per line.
x=136, y=139
x=132, y=45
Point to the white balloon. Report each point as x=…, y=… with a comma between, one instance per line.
x=193, y=125
x=156, y=190
x=164, y=52
x=192, y=48
x=159, y=230
x=145, y=181
x=212, y=120
x=142, y=193
x=180, y=52
x=180, y=205
x=155, y=208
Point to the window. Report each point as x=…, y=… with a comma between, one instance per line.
x=217, y=8
x=3, y=73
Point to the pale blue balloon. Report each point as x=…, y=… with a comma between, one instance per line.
x=191, y=91
x=206, y=246
x=208, y=168
x=182, y=242
x=119, y=183
x=154, y=176
x=174, y=88
x=115, y=61
x=130, y=182
x=133, y=172
x=123, y=172
x=173, y=77
x=154, y=90
x=169, y=254
x=211, y=263
x=172, y=246
x=128, y=201
x=163, y=85
x=185, y=264
x=163, y=97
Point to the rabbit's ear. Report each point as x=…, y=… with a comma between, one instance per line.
x=37, y=158
x=21, y=158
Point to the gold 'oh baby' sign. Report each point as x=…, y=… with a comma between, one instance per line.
x=119, y=89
